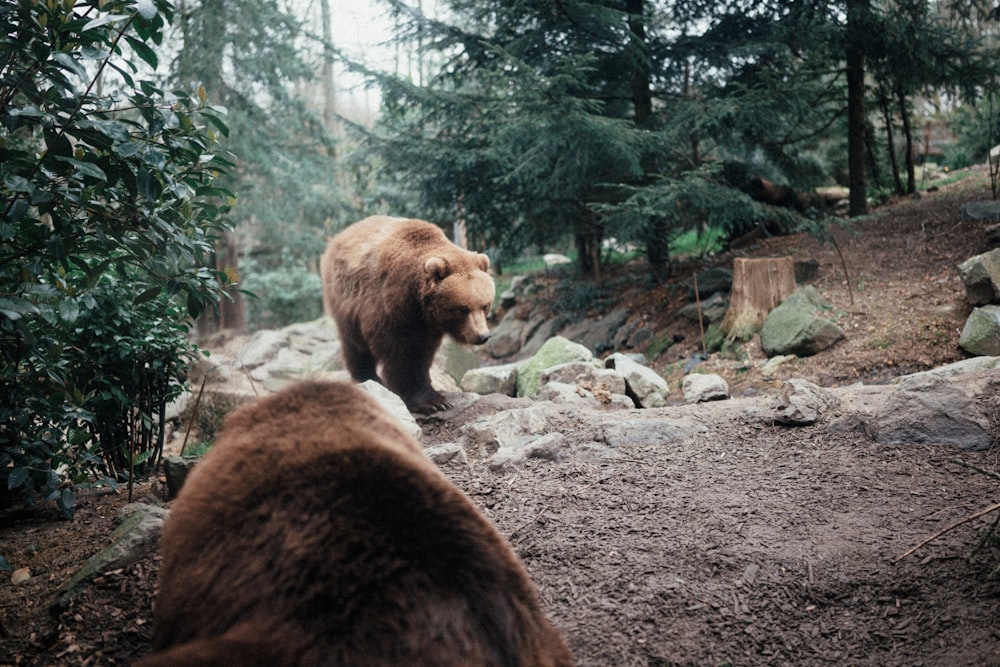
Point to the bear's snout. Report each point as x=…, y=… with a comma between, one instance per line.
x=482, y=338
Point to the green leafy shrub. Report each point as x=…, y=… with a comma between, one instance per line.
x=109, y=207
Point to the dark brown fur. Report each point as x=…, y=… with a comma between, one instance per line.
x=395, y=288
x=316, y=532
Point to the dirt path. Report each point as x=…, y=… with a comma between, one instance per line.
x=748, y=545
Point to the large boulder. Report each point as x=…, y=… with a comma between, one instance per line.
x=509, y=336
x=394, y=405
x=930, y=410
x=795, y=327
x=981, y=334
x=984, y=209
x=981, y=275
x=597, y=335
x=555, y=351
x=500, y=379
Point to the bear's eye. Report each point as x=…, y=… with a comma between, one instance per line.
x=486, y=309
x=464, y=311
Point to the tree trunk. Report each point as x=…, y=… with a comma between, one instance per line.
x=883, y=99
x=911, y=177
x=229, y=314
x=759, y=285
x=326, y=74
x=857, y=11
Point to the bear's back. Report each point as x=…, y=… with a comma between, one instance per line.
x=317, y=523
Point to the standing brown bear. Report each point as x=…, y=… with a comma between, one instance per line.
x=395, y=287
x=316, y=532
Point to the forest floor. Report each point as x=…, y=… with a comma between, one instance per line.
x=751, y=545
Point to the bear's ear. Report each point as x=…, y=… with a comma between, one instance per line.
x=484, y=261
x=436, y=267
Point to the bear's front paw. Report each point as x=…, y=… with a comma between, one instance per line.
x=428, y=402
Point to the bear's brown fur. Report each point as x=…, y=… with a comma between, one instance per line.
x=316, y=532
x=395, y=287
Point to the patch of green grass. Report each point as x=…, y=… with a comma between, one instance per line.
x=198, y=449
x=693, y=243
x=880, y=344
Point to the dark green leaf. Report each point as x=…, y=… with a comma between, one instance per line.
x=17, y=477
x=66, y=502
x=147, y=295
x=70, y=63
x=143, y=51
x=103, y=20
x=69, y=310
x=86, y=168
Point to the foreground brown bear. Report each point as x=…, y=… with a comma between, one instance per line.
x=316, y=532
x=395, y=287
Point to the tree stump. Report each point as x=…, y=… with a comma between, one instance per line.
x=759, y=285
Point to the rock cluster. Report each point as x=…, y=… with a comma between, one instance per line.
x=981, y=276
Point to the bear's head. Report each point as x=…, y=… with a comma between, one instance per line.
x=458, y=296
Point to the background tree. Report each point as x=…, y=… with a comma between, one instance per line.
x=643, y=120
x=250, y=56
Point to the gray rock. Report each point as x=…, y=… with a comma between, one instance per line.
x=640, y=337
x=583, y=372
x=566, y=394
x=135, y=538
x=542, y=333
x=981, y=333
x=510, y=429
x=600, y=335
x=176, y=469
x=930, y=410
x=981, y=276
x=771, y=366
x=801, y=403
x=712, y=281
x=703, y=387
x=644, y=385
x=550, y=447
x=394, y=405
x=455, y=359
x=988, y=209
x=794, y=327
x=648, y=431
x=500, y=379
x=262, y=347
x=447, y=453
x=555, y=351
x=509, y=336
x=713, y=310
x=963, y=367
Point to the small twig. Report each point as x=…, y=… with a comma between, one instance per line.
x=972, y=517
x=701, y=326
x=194, y=412
x=253, y=385
x=988, y=473
x=843, y=264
